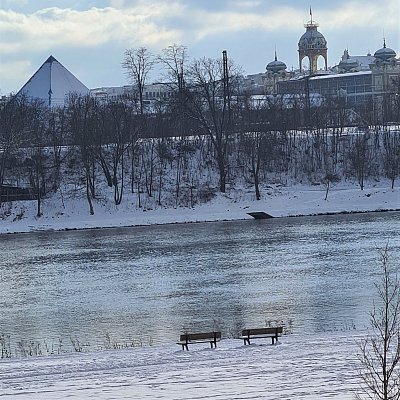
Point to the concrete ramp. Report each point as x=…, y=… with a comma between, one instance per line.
x=260, y=215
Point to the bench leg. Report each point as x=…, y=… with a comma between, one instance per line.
x=184, y=345
x=246, y=340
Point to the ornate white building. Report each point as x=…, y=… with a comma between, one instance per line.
x=355, y=79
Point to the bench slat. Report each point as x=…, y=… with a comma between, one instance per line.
x=262, y=331
x=258, y=333
x=200, y=336
x=204, y=337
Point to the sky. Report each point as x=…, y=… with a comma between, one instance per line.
x=89, y=37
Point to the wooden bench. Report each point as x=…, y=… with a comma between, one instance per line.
x=206, y=337
x=258, y=333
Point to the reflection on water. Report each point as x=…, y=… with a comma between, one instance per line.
x=151, y=283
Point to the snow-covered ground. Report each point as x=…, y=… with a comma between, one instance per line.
x=322, y=366
x=278, y=201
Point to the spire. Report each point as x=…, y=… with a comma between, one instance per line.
x=311, y=14
x=384, y=43
x=276, y=58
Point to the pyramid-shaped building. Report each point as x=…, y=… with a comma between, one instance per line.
x=52, y=83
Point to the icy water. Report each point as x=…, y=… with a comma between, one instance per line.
x=148, y=284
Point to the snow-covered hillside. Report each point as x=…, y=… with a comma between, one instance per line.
x=64, y=212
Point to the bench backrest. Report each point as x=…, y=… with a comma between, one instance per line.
x=262, y=331
x=200, y=336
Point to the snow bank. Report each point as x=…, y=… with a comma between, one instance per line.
x=278, y=201
x=298, y=367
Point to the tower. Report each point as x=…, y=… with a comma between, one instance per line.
x=275, y=72
x=312, y=45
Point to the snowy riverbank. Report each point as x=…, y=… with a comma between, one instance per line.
x=277, y=201
x=300, y=367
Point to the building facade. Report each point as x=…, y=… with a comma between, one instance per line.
x=355, y=80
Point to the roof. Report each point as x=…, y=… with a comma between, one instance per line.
x=52, y=83
x=330, y=76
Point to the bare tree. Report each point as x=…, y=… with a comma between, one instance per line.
x=36, y=155
x=137, y=64
x=329, y=179
x=174, y=59
x=391, y=156
x=83, y=126
x=360, y=157
x=120, y=126
x=211, y=100
x=256, y=144
x=13, y=125
x=56, y=132
x=379, y=353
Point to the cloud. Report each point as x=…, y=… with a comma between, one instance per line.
x=244, y=3
x=55, y=27
x=10, y=72
x=357, y=14
x=160, y=23
x=246, y=27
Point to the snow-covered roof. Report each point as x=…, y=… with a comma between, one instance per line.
x=363, y=61
x=330, y=76
x=52, y=83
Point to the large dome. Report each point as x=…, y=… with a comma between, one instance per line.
x=385, y=53
x=312, y=39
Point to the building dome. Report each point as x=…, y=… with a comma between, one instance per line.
x=312, y=39
x=312, y=45
x=276, y=66
x=385, y=53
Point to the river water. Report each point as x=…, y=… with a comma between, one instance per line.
x=148, y=284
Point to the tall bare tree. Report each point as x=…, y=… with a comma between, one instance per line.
x=137, y=64
x=13, y=125
x=83, y=126
x=379, y=353
x=256, y=144
x=119, y=124
x=360, y=157
x=174, y=59
x=211, y=101
x=36, y=155
x=391, y=155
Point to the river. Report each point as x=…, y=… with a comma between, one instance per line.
x=145, y=285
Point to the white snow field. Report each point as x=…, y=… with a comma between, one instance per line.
x=312, y=367
x=278, y=201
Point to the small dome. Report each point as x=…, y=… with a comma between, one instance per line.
x=312, y=39
x=276, y=66
x=385, y=53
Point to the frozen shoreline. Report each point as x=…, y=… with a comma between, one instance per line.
x=20, y=217
x=303, y=367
